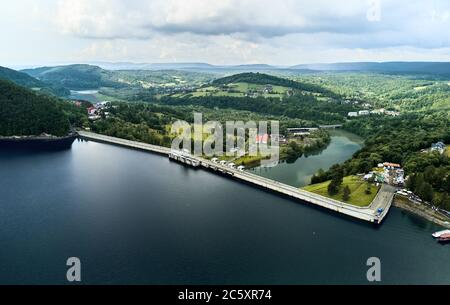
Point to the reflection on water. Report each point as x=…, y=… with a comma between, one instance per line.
x=86, y=95
x=298, y=173
x=136, y=218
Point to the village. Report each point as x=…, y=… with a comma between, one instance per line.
x=381, y=111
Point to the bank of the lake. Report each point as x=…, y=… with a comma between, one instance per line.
x=341, y=148
x=43, y=142
x=135, y=217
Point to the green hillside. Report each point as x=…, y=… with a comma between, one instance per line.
x=75, y=77
x=265, y=79
x=23, y=112
x=28, y=81
x=19, y=78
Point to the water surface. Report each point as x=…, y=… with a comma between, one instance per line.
x=341, y=148
x=137, y=218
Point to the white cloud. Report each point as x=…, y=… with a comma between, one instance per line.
x=226, y=31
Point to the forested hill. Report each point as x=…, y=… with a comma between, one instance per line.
x=265, y=79
x=19, y=78
x=28, y=81
x=23, y=112
x=75, y=77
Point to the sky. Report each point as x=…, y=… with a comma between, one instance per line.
x=278, y=32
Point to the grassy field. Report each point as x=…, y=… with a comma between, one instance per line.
x=237, y=90
x=357, y=187
x=447, y=150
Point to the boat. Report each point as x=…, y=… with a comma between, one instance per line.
x=440, y=233
x=444, y=238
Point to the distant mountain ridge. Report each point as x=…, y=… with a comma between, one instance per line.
x=194, y=67
x=437, y=68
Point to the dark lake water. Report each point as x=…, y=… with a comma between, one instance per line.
x=136, y=218
x=342, y=146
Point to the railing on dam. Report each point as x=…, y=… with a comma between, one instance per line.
x=382, y=201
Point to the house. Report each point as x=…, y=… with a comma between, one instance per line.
x=278, y=138
x=262, y=139
x=391, y=165
x=369, y=176
x=364, y=112
x=353, y=114
x=268, y=89
x=377, y=111
x=301, y=131
x=392, y=113
x=92, y=110
x=439, y=147
x=393, y=174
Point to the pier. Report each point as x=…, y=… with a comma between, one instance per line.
x=374, y=213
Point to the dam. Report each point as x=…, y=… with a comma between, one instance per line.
x=374, y=213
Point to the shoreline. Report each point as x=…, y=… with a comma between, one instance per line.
x=424, y=212
x=38, y=142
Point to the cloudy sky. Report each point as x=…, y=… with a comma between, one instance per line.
x=280, y=32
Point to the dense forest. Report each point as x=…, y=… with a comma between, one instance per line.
x=25, y=80
x=400, y=140
x=300, y=106
x=140, y=122
x=24, y=112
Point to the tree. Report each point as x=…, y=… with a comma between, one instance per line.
x=346, y=195
x=368, y=190
x=425, y=191
x=411, y=182
x=333, y=188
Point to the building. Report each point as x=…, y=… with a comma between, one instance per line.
x=378, y=111
x=393, y=174
x=268, y=89
x=392, y=113
x=439, y=147
x=279, y=138
x=92, y=111
x=364, y=112
x=353, y=114
x=262, y=139
x=391, y=165
x=300, y=131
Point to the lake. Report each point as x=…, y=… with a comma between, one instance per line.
x=87, y=95
x=137, y=218
x=341, y=148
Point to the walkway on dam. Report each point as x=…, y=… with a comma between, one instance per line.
x=375, y=212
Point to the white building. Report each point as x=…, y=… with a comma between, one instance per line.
x=353, y=114
x=364, y=112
